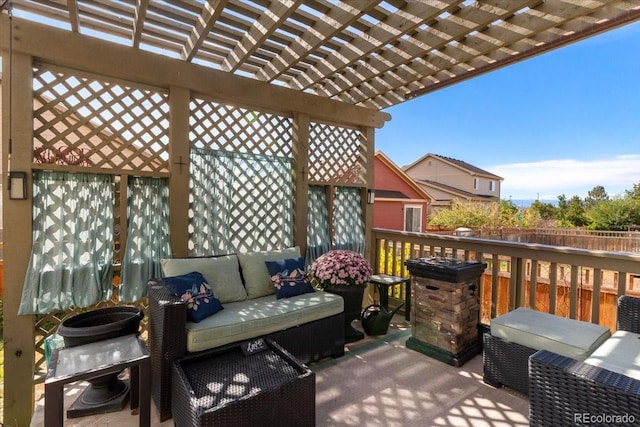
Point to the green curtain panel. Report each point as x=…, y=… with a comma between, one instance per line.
x=318, y=238
x=72, y=251
x=348, y=222
x=147, y=235
x=239, y=202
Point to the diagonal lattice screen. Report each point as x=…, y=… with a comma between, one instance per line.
x=224, y=127
x=83, y=120
x=241, y=178
x=335, y=155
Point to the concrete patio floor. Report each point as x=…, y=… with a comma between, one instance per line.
x=379, y=382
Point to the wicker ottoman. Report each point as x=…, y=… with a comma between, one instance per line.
x=517, y=335
x=224, y=387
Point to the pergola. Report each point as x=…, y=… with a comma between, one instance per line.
x=371, y=53
x=316, y=73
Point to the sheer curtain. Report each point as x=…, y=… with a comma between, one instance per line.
x=348, y=222
x=72, y=251
x=240, y=202
x=318, y=239
x=147, y=235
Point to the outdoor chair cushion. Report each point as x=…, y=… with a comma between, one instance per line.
x=620, y=353
x=260, y=316
x=538, y=330
x=289, y=277
x=194, y=289
x=222, y=273
x=257, y=279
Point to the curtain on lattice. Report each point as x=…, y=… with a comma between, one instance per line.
x=72, y=251
x=318, y=238
x=147, y=235
x=239, y=202
x=347, y=219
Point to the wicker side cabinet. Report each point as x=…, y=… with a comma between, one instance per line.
x=226, y=387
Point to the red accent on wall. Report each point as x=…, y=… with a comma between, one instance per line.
x=390, y=214
x=386, y=179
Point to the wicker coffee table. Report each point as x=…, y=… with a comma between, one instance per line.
x=226, y=387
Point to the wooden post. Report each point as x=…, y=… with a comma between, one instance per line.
x=301, y=125
x=179, y=99
x=19, y=342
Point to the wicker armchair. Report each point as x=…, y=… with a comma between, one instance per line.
x=565, y=392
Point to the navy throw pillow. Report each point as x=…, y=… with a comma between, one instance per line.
x=194, y=289
x=288, y=277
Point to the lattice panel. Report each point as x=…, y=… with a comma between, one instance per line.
x=81, y=120
x=239, y=203
x=224, y=127
x=335, y=155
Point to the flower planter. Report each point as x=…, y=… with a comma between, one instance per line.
x=352, y=296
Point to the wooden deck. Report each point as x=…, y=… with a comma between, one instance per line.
x=380, y=382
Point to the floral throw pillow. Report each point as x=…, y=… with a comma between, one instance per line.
x=289, y=277
x=195, y=291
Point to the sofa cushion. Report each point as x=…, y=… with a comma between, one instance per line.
x=195, y=291
x=257, y=280
x=257, y=317
x=538, y=330
x=288, y=277
x=222, y=273
x=620, y=353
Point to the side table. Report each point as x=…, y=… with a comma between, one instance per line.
x=93, y=360
x=384, y=281
x=225, y=387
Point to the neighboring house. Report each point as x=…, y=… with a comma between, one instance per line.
x=447, y=179
x=400, y=203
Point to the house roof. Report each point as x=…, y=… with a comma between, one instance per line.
x=390, y=194
x=473, y=170
x=371, y=53
x=455, y=192
x=402, y=175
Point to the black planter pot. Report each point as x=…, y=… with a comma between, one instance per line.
x=106, y=393
x=352, y=296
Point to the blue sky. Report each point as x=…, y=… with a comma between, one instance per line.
x=559, y=123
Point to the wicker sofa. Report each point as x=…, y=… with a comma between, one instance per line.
x=310, y=326
x=602, y=390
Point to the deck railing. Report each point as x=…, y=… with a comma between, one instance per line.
x=576, y=283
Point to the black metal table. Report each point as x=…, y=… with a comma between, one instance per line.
x=384, y=281
x=95, y=359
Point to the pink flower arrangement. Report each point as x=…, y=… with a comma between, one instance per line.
x=341, y=268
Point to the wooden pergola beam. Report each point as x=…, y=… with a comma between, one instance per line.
x=74, y=17
x=101, y=57
x=138, y=23
x=266, y=25
x=211, y=11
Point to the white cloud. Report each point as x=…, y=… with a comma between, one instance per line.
x=550, y=178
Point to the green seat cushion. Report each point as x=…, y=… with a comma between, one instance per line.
x=257, y=280
x=620, y=353
x=222, y=274
x=538, y=330
x=260, y=316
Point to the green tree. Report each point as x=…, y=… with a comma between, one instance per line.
x=571, y=213
x=633, y=193
x=617, y=214
x=509, y=214
x=483, y=215
x=545, y=211
x=596, y=195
